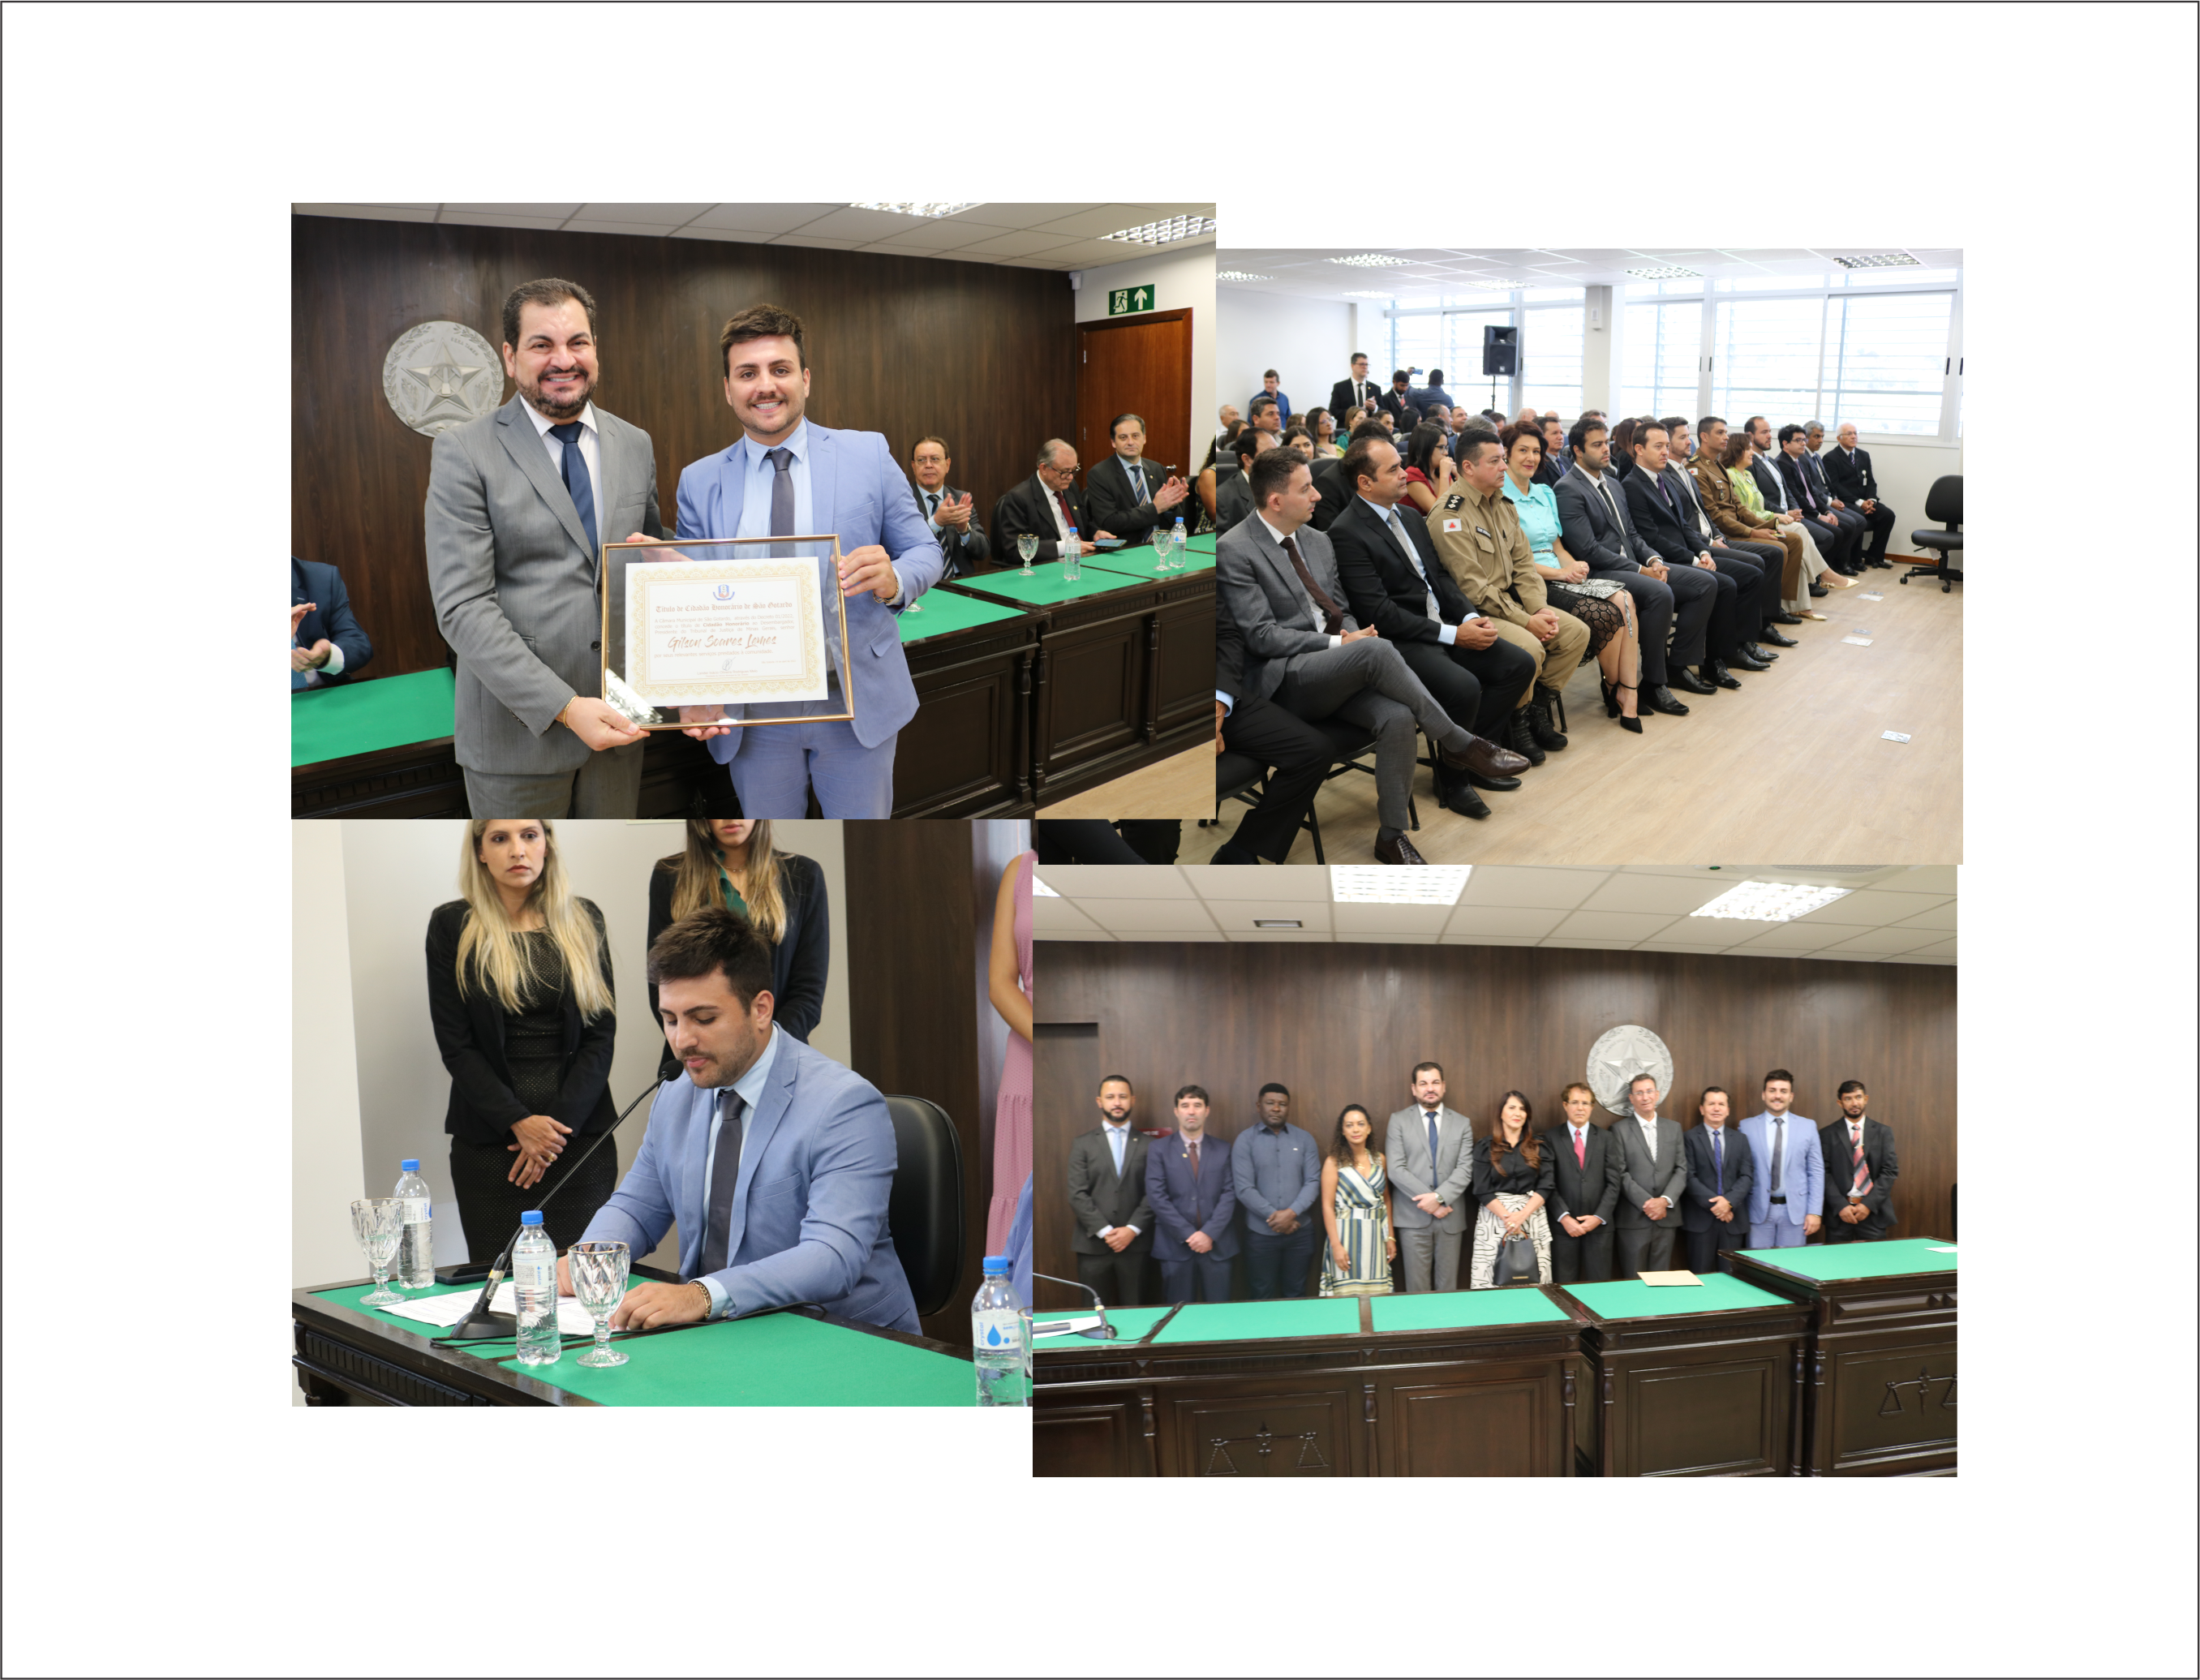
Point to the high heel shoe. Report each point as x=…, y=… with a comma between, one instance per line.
x=1610, y=699
x=1632, y=725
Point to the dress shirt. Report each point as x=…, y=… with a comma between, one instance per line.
x=587, y=420
x=1650, y=1143
x=1054, y=506
x=1718, y=1154
x=1314, y=612
x=1275, y=1167
x=1446, y=634
x=1577, y=1141
x=749, y=1087
x=755, y=496
x=1118, y=1145
x=315, y=677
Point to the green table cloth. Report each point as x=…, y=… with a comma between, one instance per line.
x=1635, y=1299
x=780, y=1359
x=1465, y=1309
x=1131, y=1325
x=1045, y=585
x=1260, y=1321
x=1139, y=562
x=366, y=716
x=944, y=611
x=1841, y=1262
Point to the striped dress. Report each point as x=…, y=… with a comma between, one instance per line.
x=1363, y=1221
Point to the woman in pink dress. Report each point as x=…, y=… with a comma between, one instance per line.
x=1008, y=984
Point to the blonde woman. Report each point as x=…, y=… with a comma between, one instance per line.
x=731, y=861
x=520, y=988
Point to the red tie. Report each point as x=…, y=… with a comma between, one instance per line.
x=1580, y=1150
x=1068, y=519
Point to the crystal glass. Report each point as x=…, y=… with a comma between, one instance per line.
x=378, y=1224
x=1162, y=540
x=598, y=1275
x=1028, y=547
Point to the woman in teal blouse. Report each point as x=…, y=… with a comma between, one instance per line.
x=1604, y=606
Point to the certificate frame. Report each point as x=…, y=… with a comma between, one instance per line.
x=716, y=551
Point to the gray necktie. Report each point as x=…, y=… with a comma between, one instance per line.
x=1138, y=484
x=1779, y=1150
x=1432, y=1147
x=725, y=1172
x=782, y=490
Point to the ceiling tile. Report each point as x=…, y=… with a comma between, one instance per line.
x=1221, y=881
x=1912, y=957
x=1386, y=939
x=1057, y=913
x=735, y=235
x=1579, y=945
x=1537, y=888
x=1470, y=921
x=762, y=218
x=1942, y=916
x=863, y=225
x=1103, y=218
x=371, y=213
x=1116, y=881
x=1149, y=915
x=643, y=230
x=1923, y=878
x=1678, y=950
x=652, y=214
x=1359, y=918
x=1946, y=949
x=1870, y=907
x=1609, y=925
x=1170, y=936
x=1887, y=942
x=1015, y=244
x=1490, y=938
x=493, y=219
x=1255, y=935
x=1026, y=215
x=811, y=240
x=556, y=213
x=1669, y=894
x=1231, y=914
x=1784, y=936
x=1086, y=935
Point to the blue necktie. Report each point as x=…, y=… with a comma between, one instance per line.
x=1718, y=1156
x=1138, y=484
x=577, y=478
x=1432, y=1151
x=1115, y=1137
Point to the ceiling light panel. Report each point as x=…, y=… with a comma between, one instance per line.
x=918, y=209
x=1373, y=259
x=1380, y=884
x=1239, y=274
x=1165, y=232
x=1665, y=273
x=1041, y=890
x=1885, y=260
x=1771, y=901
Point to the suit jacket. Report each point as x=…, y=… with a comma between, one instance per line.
x=1233, y=502
x=958, y=557
x=1704, y=1181
x=1182, y=1205
x=1592, y=1187
x=1641, y=1177
x=1098, y=1197
x=1333, y=492
x=1261, y=594
x=516, y=582
x=1024, y=509
x=330, y=618
x=1815, y=470
x=1589, y=529
x=1805, y=497
x=1663, y=528
x=1802, y=1169
x=1402, y=409
x=1840, y=1169
x=470, y=1028
x=1852, y=480
x=1770, y=485
x=1108, y=494
x=1341, y=397
x=1406, y=1157
x=1381, y=586
x=808, y=1219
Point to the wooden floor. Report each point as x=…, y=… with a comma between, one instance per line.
x=1790, y=769
x=1180, y=786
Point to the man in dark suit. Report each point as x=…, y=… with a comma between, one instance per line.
x=1844, y=553
x=1233, y=500
x=1128, y=493
x=1333, y=494
x=1848, y=471
x=1592, y=520
x=326, y=643
x=1047, y=504
x=1860, y=1170
x=1299, y=755
x=1814, y=445
x=1398, y=403
x=1587, y=1186
x=1350, y=393
x=1652, y=1175
x=1663, y=520
x=1108, y=1196
x=948, y=511
x=1714, y=1206
x=1192, y=1190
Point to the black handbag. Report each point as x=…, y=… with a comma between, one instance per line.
x=1516, y=1262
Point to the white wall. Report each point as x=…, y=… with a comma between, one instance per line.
x=1182, y=280
x=1307, y=339
x=325, y=1175
x=1905, y=472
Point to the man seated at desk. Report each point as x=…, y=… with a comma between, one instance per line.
x=776, y=1160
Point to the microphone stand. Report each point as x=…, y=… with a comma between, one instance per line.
x=1107, y=1331
x=480, y=1323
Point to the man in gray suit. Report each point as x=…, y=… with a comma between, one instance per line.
x=519, y=505
x=1430, y=1156
x=1276, y=577
x=1652, y=1173
x=1107, y=1194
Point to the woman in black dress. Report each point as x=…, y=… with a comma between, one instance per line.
x=519, y=987
x=1513, y=1180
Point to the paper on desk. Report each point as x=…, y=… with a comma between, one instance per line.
x=1065, y=1326
x=1670, y=1278
x=573, y=1318
x=1950, y=1248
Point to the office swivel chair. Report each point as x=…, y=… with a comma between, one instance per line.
x=1943, y=502
x=924, y=1211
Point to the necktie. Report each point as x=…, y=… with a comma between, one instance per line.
x=1580, y=1150
x=725, y=1172
x=1115, y=1147
x=1138, y=484
x=1398, y=529
x=782, y=490
x=1609, y=505
x=1861, y=1186
x=1198, y=1208
x=576, y=477
x=1068, y=519
x=1664, y=495
x=1779, y=1150
x=1431, y=1114
x=1718, y=1158
x=932, y=504
x=1332, y=620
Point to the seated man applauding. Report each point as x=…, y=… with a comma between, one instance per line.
x=776, y=1161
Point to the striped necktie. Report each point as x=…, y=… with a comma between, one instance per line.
x=1861, y=1185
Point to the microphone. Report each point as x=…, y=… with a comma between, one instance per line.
x=1106, y=1332
x=480, y=1323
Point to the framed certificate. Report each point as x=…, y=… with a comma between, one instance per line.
x=726, y=631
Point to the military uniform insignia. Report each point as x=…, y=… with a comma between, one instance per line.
x=1451, y=524
x=1452, y=505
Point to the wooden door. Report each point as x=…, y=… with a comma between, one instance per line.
x=1141, y=365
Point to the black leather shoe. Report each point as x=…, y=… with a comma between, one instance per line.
x=1456, y=795
x=1716, y=674
x=1687, y=682
x=1820, y=589
x=1783, y=616
x=1884, y=566
x=1398, y=851
x=1658, y=698
x=1780, y=641
x=1521, y=737
x=1543, y=727
x=1495, y=784
x=1743, y=660
x=1758, y=651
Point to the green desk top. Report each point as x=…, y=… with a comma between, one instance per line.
x=944, y=611
x=1202, y=544
x=1634, y=1299
x=1139, y=563
x=366, y=716
x=1045, y=585
x=1132, y=1324
x=780, y=1359
x=1261, y=1321
x=1840, y=1263
x=1465, y=1309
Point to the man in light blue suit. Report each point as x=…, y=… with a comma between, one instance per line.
x=787, y=477
x=776, y=1161
x=1784, y=1196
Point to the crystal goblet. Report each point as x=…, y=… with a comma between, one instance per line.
x=1027, y=548
x=598, y=1275
x=378, y=1222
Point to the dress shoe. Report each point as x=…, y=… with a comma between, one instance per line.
x=1716, y=674
x=1542, y=726
x=1820, y=589
x=1783, y=616
x=1398, y=850
x=1610, y=698
x=1456, y=794
x=1495, y=784
x=1658, y=698
x=1521, y=737
x=1687, y=682
x=1483, y=757
x=1742, y=658
x=1884, y=566
x=1819, y=617
x=1778, y=640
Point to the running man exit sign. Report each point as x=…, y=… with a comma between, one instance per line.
x=1130, y=301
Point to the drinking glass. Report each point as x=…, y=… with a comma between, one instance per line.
x=599, y=1273
x=1028, y=547
x=378, y=1223
x=1162, y=539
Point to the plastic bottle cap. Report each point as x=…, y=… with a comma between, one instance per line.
x=532, y=1216
x=408, y=1165
x=997, y=1266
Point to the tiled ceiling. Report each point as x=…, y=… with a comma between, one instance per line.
x=1059, y=236
x=1432, y=276
x=1900, y=914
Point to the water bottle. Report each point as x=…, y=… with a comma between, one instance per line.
x=416, y=1248
x=535, y=1286
x=1000, y=1336
x=1070, y=553
x=1176, y=546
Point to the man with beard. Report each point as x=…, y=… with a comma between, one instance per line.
x=519, y=505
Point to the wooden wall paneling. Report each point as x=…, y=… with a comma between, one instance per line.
x=1066, y=1074
x=1341, y=1023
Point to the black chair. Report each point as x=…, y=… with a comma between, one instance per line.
x=924, y=1210
x=1239, y=776
x=1943, y=502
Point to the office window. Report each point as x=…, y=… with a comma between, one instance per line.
x=1659, y=353
x=1416, y=341
x=1462, y=365
x=1765, y=359
x=1886, y=359
x=1551, y=360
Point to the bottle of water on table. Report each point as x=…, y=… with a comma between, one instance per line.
x=1177, y=540
x=1071, y=553
x=998, y=1333
x=534, y=1287
x=416, y=1248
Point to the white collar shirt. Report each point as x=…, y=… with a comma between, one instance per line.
x=590, y=454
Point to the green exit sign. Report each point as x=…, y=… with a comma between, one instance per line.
x=1130, y=301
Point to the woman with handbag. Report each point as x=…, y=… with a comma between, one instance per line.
x=1513, y=1180
x=1355, y=1209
